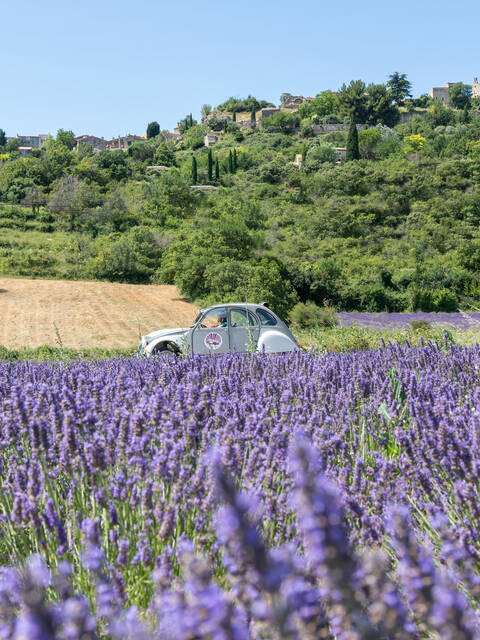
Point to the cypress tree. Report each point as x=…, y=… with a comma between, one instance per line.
x=194, y=170
x=353, y=152
x=253, y=115
x=210, y=165
x=217, y=170
x=225, y=126
x=304, y=153
x=234, y=116
x=230, y=161
x=191, y=121
x=235, y=165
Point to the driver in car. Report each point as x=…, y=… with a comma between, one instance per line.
x=221, y=320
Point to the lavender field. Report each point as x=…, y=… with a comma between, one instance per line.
x=453, y=320
x=242, y=496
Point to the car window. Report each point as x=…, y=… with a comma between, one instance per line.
x=239, y=318
x=266, y=319
x=252, y=319
x=214, y=318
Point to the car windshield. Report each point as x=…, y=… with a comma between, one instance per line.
x=196, y=319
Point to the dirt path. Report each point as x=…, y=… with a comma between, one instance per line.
x=86, y=314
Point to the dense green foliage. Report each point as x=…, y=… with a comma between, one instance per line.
x=397, y=229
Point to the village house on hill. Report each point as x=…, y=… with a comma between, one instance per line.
x=98, y=144
x=123, y=142
x=442, y=94
x=476, y=88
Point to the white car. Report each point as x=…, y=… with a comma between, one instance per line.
x=224, y=328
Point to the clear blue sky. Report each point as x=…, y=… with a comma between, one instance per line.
x=108, y=67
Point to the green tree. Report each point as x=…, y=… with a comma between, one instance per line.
x=318, y=155
x=253, y=115
x=283, y=120
x=153, y=129
x=210, y=165
x=141, y=151
x=325, y=103
x=217, y=170
x=194, y=170
x=65, y=138
x=353, y=100
x=194, y=137
x=414, y=143
x=353, y=152
x=380, y=107
x=460, y=95
x=34, y=198
x=230, y=161
x=235, y=162
x=3, y=138
x=206, y=110
x=304, y=153
x=400, y=87
x=131, y=257
x=165, y=154
x=70, y=198
x=367, y=142
x=234, y=116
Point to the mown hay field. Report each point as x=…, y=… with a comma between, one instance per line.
x=86, y=314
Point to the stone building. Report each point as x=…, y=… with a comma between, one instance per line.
x=442, y=94
x=211, y=138
x=291, y=102
x=267, y=112
x=123, y=142
x=34, y=142
x=98, y=144
x=27, y=143
x=476, y=88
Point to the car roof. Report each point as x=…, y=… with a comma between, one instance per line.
x=249, y=305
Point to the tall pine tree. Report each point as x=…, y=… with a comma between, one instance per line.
x=194, y=170
x=353, y=152
x=210, y=165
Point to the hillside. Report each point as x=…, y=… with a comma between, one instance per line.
x=397, y=229
x=86, y=314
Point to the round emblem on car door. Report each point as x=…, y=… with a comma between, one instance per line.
x=213, y=340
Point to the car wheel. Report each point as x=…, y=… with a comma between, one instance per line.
x=164, y=350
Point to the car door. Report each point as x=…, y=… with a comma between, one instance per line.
x=210, y=335
x=244, y=329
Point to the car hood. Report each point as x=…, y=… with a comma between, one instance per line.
x=162, y=333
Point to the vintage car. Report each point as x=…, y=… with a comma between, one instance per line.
x=224, y=328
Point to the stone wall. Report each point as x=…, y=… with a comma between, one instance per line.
x=405, y=116
x=327, y=128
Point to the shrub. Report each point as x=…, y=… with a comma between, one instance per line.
x=308, y=315
x=445, y=300
x=418, y=325
x=318, y=155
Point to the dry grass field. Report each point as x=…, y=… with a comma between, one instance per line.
x=87, y=314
